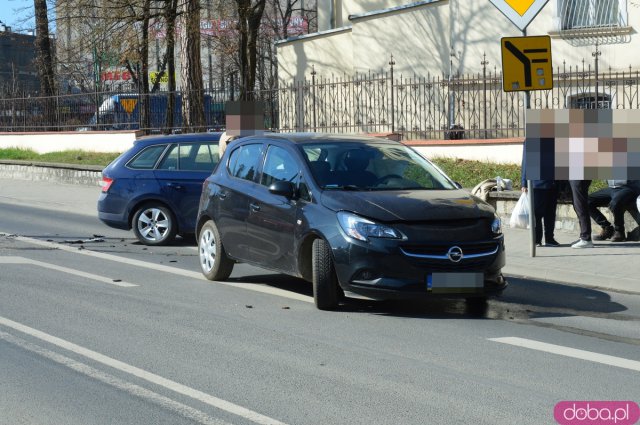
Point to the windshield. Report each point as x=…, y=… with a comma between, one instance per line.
x=362, y=165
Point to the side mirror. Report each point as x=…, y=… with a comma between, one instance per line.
x=282, y=188
x=458, y=185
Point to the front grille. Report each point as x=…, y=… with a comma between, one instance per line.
x=440, y=250
x=448, y=266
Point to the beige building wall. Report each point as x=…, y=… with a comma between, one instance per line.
x=484, y=26
x=439, y=38
x=418, y=39
x=335, y=13
x=330, y=53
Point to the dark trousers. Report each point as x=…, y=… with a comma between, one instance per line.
x=580, y=191
x=545, y=202
x=617, y=199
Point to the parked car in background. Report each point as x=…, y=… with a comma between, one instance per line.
x=351, y=215
x=155, y=186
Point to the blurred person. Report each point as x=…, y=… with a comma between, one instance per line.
x=545, y=203
x=618, y=196
x=580, y=191
x=243, y=118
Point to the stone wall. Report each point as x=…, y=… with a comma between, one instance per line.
x=62, y=173
x=566, y=219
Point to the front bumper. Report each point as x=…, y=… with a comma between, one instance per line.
x=380, y=269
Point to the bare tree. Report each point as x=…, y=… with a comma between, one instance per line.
x=170, y=16
x=193, y=88
x=43, y=49
x=249, y=19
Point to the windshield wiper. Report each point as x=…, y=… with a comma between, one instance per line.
x=341, y=187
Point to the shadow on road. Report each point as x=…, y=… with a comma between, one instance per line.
x=523, y=299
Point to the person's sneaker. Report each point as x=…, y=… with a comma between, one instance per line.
x=551, y=242
x=618, y=237
x=582, y=244
x=604, y=234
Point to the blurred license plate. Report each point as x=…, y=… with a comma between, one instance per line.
x=449, y=282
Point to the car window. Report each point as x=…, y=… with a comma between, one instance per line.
x=147, y=158
x=279, y=165
x=303, y=191
x=170, y=160
x=372, y=166
x=198, y=156
x=244, y=161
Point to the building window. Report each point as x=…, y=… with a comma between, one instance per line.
x=579, y=14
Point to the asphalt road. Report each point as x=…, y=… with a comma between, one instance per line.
x=96, y=328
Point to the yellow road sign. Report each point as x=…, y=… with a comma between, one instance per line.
x=520, y=12
x=129, y=105
x=526, y=63
x=520, y=6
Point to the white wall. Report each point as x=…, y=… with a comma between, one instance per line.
x=504, y=153
x=419, y=39
x=52, y=142
x=331, y=54
x=484, y=26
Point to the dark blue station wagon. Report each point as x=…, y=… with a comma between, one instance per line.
x=155, y=186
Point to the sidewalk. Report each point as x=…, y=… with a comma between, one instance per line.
x=607, y=265
x=612, y=266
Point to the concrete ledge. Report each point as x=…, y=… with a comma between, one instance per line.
x=566, y=219
x=87, y=175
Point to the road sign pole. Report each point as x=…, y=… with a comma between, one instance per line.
x=532, y=222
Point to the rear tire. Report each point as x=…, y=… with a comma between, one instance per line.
x=154, y=224
x=214, y=262
x=325, y=282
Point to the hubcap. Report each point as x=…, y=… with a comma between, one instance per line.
x=153, y=224
x=207, y=248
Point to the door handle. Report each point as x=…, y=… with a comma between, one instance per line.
x=222, y=195
x=254, y=207
x=175, y=186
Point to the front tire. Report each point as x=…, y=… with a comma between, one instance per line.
x=154, y=224
x=214, y=262
x=325, y=282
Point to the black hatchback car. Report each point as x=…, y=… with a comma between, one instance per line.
x=350, y=214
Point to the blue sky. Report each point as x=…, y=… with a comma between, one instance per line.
x=13, y=12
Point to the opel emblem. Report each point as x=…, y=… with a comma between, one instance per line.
x=455, y=254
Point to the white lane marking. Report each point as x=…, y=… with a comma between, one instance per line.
x=570, y=352
x=167, y=269
x=143, y=374
x=22, y=260
x=133, y=389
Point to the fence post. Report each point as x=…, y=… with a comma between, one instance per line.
x=595, y=55
x=313, y=94
x=484, y=64
x=393, y=118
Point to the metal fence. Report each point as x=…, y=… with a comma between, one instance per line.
x=471, y=106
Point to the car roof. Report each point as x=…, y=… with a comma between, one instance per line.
x=303, y=138
x=178, y=138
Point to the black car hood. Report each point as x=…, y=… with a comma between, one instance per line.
x=408, y=205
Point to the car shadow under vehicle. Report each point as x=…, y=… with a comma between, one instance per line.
x=524, y=299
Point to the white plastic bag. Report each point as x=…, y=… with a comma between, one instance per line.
x=520, y=214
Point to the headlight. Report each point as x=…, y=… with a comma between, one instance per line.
x=362, y=229
x=496, y=226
